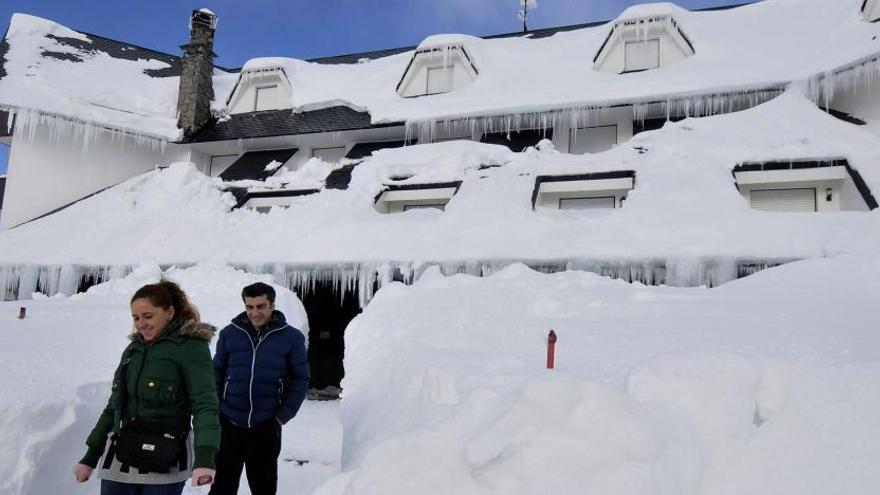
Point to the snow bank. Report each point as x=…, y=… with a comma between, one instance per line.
x=764, y=386
x=56, y=364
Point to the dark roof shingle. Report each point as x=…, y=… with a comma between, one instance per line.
x=270, y=123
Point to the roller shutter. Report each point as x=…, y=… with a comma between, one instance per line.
x=586, y=203
x=791, y=200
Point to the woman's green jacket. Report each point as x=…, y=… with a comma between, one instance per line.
x=167, y=382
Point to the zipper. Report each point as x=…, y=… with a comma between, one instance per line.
x=225, y=386
x=253, y=365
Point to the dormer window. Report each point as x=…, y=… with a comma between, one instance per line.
x=642, y=43
x=396, y=198
x=594, y=191
x=803, y=186
x=437, y=68
x=871, y=10
x=260, y=90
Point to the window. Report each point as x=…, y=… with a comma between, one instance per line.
x=600, y=203
x=329, y=155
x=267, y=98
x=439, y=80
x=641, y=55
x=592, y=139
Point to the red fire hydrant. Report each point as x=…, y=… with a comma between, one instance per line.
x=21, y=312
x=551, y=349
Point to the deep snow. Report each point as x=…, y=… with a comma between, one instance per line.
x=764, y=386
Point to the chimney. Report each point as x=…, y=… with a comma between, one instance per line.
x=196, y=88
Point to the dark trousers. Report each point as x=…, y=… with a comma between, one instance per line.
x=116, y=488
x=256, y=449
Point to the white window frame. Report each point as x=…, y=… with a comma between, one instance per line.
x=257, y=96
x=645, y=47
x=573, y=132
x=447, y=72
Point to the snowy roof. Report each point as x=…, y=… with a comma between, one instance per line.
x=754, y=47
x=82, y=76
x=491, y=217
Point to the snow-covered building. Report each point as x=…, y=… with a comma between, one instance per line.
x=647, y=148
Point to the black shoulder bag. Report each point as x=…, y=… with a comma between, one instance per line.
x=147, y=446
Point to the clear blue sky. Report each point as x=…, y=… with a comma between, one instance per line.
x=309, y=28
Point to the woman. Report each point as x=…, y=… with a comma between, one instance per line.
x=164, y=383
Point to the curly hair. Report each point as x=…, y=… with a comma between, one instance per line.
x=167, y=294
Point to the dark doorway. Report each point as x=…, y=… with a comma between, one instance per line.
x=330, y=309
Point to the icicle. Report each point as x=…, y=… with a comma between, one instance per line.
x=24, y=123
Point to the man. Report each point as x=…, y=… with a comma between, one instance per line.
x=262, y=376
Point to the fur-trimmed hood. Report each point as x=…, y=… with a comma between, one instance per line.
x=177, y=329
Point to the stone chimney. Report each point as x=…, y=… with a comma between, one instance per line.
x=196, y=87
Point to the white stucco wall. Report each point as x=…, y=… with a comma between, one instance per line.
x=415, y=80
x=672, y=47
x=45, y=173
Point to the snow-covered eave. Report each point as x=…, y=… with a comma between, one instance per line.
x=23, y=120
x=544, y=116
x=821, y=86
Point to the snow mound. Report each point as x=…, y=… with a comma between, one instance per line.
x=657, y=390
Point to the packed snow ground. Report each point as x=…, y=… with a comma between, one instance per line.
x=767, y=385
x=55, y=370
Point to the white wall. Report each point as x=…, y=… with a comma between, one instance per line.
x=415, y=80
x=45, y=174
x=673, y=48
x=244, y=98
